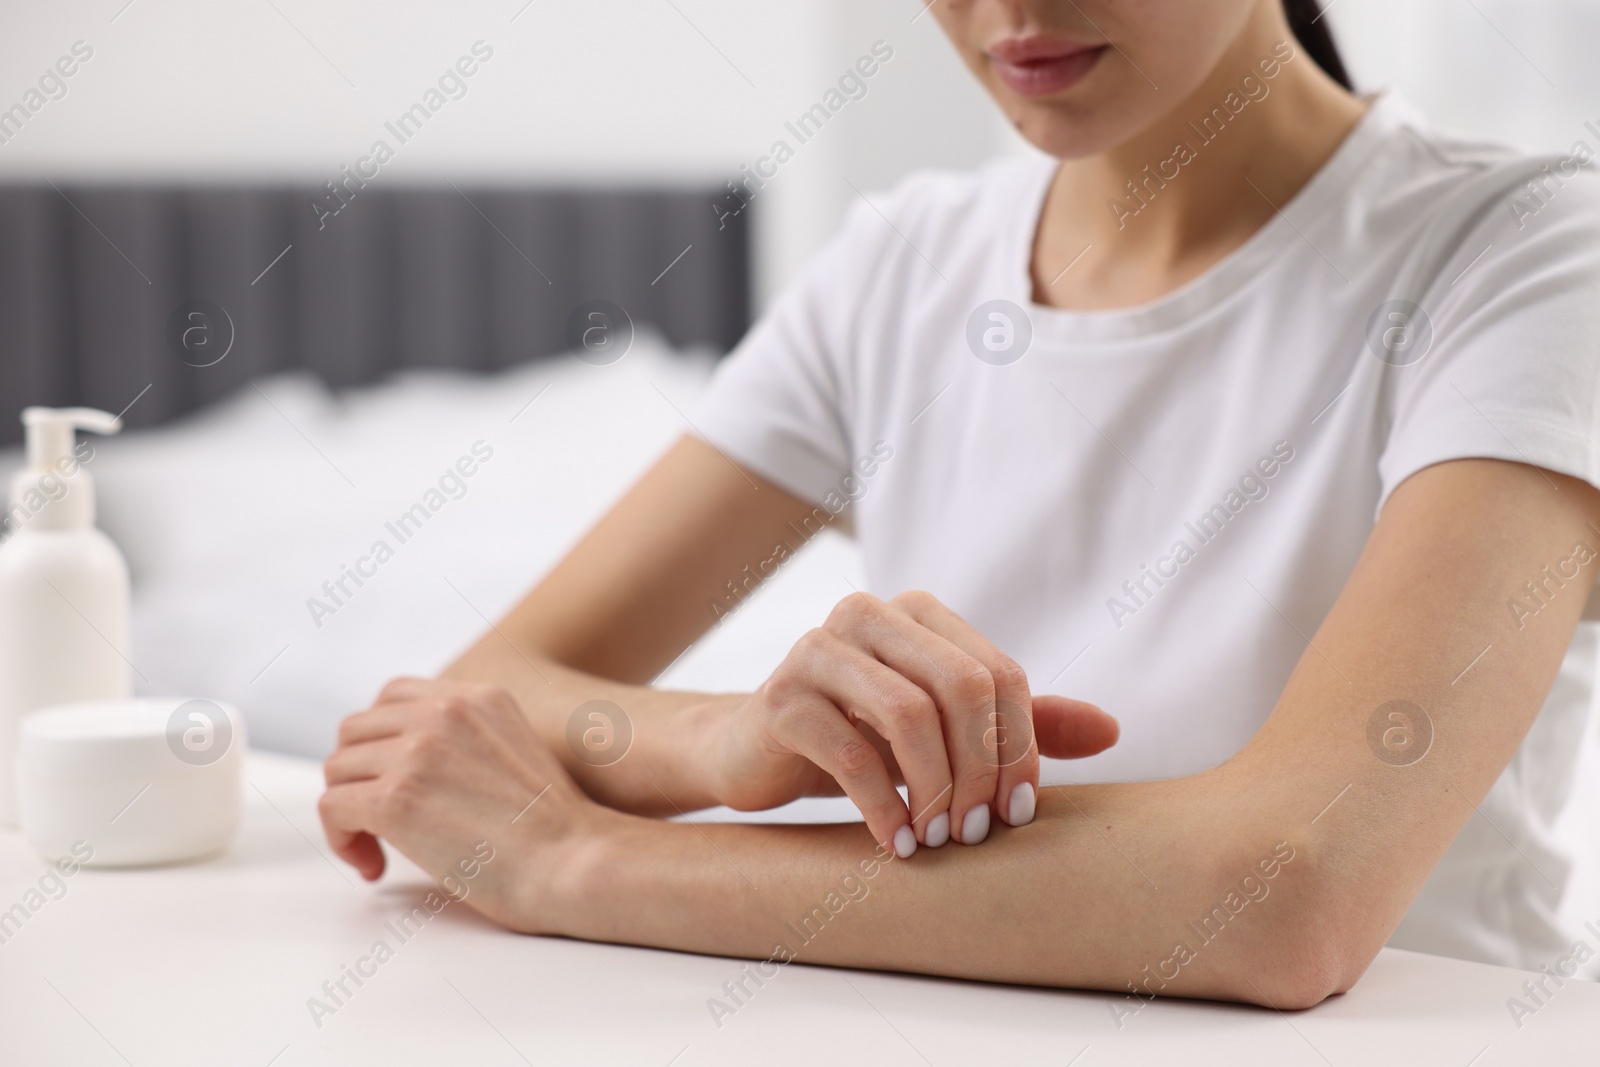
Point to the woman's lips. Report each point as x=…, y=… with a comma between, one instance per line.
x=1041, y=69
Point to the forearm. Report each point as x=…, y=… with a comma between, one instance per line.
x=1116, y=887
x=655, y=763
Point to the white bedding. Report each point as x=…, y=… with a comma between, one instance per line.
x=233, y=518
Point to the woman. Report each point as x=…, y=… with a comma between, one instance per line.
x=1259, y=413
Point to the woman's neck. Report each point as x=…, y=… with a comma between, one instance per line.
x=1129, y=225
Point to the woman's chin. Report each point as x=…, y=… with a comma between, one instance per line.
x=1066, y=132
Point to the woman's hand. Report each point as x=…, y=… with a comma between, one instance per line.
x=902, y=691
x=449, y=773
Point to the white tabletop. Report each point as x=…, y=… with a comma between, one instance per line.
x=213, y=963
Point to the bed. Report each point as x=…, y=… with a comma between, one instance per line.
x=365, y=363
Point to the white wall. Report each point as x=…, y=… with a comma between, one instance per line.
x=621, y=91
x=1522, y=71
x=631, y=91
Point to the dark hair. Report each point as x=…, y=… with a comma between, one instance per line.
x=1311, y=30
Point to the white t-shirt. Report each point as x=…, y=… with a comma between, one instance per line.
x=1151, y=507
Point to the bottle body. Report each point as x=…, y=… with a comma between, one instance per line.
x=64, y=608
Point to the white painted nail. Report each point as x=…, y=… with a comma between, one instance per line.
x=975, y=827
x=1022, y=804
x=938, y=830
x=905, y=842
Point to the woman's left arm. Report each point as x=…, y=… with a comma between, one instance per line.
x=1274, y=878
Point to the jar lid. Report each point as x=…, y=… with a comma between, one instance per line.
x=145, y=736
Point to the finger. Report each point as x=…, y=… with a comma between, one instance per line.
x=379, y=721
x=819, y=731
x=964, y=693
x=365, y=854
x=900, y=713
x=361, y=762
x=1071, y=729
x=1006, y=737
x=347, y=816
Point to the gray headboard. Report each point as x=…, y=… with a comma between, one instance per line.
x=95, y=280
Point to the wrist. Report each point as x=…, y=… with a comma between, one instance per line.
x=580, y=881
x=704, y=742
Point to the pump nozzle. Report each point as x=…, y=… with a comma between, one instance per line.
x=41, y=495
x=50, y=432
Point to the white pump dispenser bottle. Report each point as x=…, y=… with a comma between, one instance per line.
x=63, y=586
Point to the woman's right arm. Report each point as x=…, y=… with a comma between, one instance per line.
x=629, y=598
x=879, y=694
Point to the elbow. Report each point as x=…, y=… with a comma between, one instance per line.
x=1300, y=973
x=1316, y=943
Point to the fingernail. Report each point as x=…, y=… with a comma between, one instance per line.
x=975, y=827
x=1022, y=804
x=938, y=830
x=905, y=842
